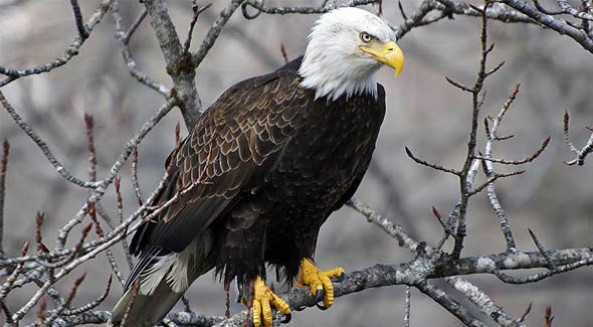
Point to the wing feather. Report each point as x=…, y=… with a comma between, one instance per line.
x=227, y=155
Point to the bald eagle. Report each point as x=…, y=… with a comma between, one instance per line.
x=262, y=170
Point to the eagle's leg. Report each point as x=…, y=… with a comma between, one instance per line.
x=318, y=280
x=263, y=301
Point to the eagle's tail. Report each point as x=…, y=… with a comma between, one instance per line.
x=147, y=310
x=158, y=281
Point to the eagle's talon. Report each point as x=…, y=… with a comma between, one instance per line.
x=319, y=296
x=263, y=302
x=321, y=306
x=319, y=282
x=300, y=308
x=287, y=318
x=339, y=279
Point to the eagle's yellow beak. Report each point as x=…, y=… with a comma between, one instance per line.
x=388, y=53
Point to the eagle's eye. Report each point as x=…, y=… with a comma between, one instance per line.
x=366, y=37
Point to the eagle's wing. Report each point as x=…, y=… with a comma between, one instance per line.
x=227, y=155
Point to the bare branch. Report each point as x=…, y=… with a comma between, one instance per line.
x=82, y=31
x=3, y=168
x=196, y=10
x=560, y=26
x=132, y=29
x=483, y=301
x=134, y=177
x=120, y=213
x=100, y=190
x=431, y=165
x=58, y=166
x=541, y=249
x=124, y=39
x=72, y=50
x=407, y=305
x=580, y=154
x=179, y=64
x=492, y=179
x=260, y=6
x=529, y=159
x=447, y=302
x=89, y=124
x=548, y=318
x=526, y=313
x=214, y=32
x=396, y=231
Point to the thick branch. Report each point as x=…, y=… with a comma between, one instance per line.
x=557, y=25
x=413, y=273
x=179, y=65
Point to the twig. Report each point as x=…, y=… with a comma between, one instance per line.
x=3, y=167
x=136, y=289
x=196, y=13
x=526, y=313
x=407, y=305
x=548, y=318
x=10, y=281
x=529, y=159
x=134, y=27
x=124, y=40
x=120, y=214
x=445, y=226
x=431, y=165
x=72, y=50
x=580, y=154
x=91, y=305
x=7, y=314
x=483, y=301
x=41, y=248
x=115, y=168
x=284, y=54
x=447, y=302
x=568, y=9
x=108, y=252
x=493, y=179
x=541, y=249
x=395, y=230
x=545, y=11
x=41, y=313
x=89, y=124
x=58, y=166
x=260, y=6
x=214, y=32
x=498, y=209
x=401, y=10
x=134, y=177
x=69, y=299
x=82, y=31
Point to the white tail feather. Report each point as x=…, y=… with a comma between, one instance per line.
x=151, y=277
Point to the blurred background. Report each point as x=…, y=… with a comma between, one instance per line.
x=424, y=113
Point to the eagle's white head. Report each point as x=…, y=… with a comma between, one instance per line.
x=347, y=46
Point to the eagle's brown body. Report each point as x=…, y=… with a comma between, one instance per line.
x=270, y=164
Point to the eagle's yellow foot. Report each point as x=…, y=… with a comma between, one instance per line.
x=318, y=281
x=263, y=301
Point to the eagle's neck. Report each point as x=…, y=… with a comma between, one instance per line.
x=333, y=76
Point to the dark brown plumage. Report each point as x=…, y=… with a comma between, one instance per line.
x=271, y=165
